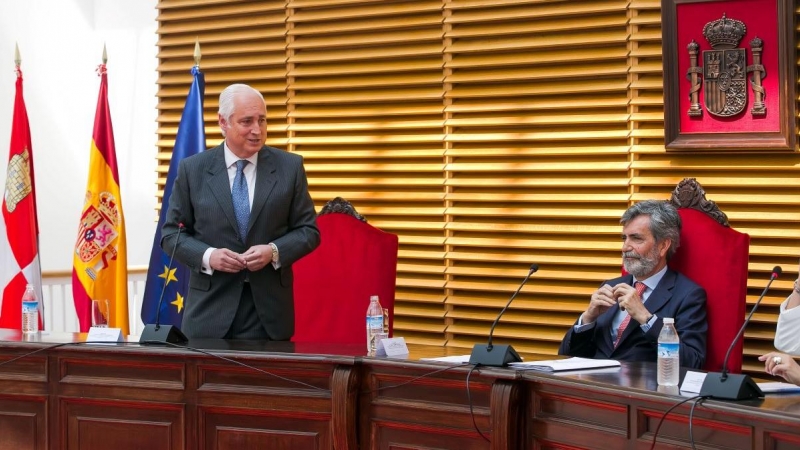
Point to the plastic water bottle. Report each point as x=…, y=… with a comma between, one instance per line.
x=374, y=323
x=30, y=311
x=669, y=347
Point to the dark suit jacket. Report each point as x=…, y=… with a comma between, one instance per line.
x=282, y=212
x=675, y=296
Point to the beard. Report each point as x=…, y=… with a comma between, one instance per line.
x=640, y=266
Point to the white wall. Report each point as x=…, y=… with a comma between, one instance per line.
x=61, y=44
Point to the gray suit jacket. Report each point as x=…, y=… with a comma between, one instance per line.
x=282, y=213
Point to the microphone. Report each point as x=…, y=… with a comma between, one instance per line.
x=164, y=334
x=725, y=386
x=500, y=355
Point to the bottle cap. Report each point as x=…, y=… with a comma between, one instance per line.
x=669, y=320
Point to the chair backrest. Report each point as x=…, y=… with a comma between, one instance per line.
x=333, y=284
x=714, y=256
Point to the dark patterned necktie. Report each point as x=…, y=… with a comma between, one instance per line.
x=241, y=199
x=640, y=287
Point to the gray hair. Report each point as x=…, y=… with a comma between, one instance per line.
x=665, y=222
x=229, y=93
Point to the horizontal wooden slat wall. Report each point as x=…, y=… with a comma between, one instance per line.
x=537, y=163
x=488, y=136
x=365, y=110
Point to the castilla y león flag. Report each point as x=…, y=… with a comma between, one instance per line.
x=19, y=230
x=100, y=263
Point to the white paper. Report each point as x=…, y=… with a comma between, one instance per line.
x=456, y=359
x=391, y=347
x=778, y=387
x=97, y=334
x=558, y=365
x=693, y=381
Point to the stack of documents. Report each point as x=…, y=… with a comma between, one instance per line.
x=559, y=365
x=778, y=387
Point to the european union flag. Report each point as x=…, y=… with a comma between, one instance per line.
x=173, y=279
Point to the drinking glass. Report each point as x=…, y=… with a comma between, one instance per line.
x=100, y=313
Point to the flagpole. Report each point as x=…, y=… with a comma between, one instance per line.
x=19, y=240
x=167, y=282
x=37, y=283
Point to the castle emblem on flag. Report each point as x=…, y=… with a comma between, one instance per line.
x=18, y=180
x=725, y=70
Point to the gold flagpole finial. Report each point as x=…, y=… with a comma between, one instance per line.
x=17, y=58
x=197, y=52
x=105, y=54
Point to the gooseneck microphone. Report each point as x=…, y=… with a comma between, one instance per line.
x=725, y=386
x=164, y=334
x=499, y=355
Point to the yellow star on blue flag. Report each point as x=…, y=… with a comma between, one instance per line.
x=168, y=275
x=178, y=302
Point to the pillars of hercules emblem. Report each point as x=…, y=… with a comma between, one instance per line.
x=693, y=75
x=759, y=109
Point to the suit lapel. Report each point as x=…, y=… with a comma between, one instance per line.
x=265, y=183
x=220, y=186
x=663, y=292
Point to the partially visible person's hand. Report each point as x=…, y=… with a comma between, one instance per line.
x=781, y=365
x=226, y=260
x=257, y=257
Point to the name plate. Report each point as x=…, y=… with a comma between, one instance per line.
x=693, y=381
x=98, y=334
x=391, y=347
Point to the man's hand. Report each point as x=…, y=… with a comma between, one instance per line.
x=601, y=300
x=630, y=301
x=226, y=260
x=257, y=257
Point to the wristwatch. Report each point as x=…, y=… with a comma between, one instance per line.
x=275, y=255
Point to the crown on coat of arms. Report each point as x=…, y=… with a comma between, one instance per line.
x=108, y=207
x=724, y=32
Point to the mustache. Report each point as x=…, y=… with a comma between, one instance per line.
x=631, y=255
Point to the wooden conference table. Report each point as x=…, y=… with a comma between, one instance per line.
x=253, y=395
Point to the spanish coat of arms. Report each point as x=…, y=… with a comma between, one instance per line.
x=724, y=71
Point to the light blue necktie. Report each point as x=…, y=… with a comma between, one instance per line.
x=241, y=199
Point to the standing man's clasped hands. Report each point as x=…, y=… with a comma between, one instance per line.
x=226, y=260
x=255, y=258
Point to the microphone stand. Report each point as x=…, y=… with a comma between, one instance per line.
x=499, y=355
x=157, y=334
x=725, y=386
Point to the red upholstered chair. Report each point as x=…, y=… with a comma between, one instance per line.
x=333, y=284
x=714, y=256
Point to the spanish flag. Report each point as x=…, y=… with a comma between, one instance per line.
x=19, y=230
x=100, y=263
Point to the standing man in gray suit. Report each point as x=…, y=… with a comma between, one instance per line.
x=239, y=216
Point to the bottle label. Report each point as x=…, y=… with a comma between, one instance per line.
x=375, y=322
x=668, y=350
x=29, y=307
